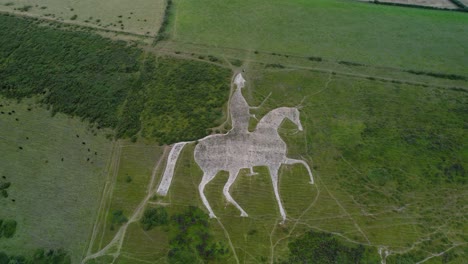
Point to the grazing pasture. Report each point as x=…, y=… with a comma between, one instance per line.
x=142, y=17
x=407, y=38
x=57, y=168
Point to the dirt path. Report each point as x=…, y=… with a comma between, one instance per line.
x=112, y=166
x=114, y=247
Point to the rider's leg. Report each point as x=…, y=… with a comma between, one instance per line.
x=252, y=172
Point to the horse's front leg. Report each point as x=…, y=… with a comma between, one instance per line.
x=274, y=180
x=232, y=178
x=295, y=161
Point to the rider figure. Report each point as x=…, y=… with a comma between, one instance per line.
x=240, y=111
x=239, y=108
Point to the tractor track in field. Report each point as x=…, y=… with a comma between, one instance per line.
x=111, y=166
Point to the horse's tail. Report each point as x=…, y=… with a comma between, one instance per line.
x=170, y=166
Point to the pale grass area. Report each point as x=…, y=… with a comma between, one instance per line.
x=138, y=16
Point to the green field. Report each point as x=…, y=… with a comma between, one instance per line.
x=56, y=178
x=399, y=37
x=382, y=93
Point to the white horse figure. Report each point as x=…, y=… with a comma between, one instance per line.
x=233, y=151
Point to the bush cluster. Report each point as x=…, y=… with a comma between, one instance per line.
x=7, y=228
x=153, y=217
x=190, y=238
x=319, y=247
x=40, y=256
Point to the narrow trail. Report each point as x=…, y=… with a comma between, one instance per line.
x=345, y=211
x=113, y=159
x=226, y=233
x=114, y=247
x=115, y=170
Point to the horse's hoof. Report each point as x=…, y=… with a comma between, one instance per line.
x=212, y=215
x=244, y=214
x=311, y=182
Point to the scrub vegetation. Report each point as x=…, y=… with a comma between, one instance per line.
x=317, y=247
x=110, y=83
x=40, y=256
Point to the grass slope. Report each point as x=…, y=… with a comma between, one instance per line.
x=56, y=178
x=400, y=37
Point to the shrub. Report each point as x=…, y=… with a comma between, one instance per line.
x=312, y=58
x=8, y=228
x=25, y=8
x=118, y=217
x=153, y=217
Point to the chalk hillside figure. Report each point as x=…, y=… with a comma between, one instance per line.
x=240, y=149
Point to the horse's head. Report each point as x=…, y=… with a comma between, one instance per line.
x=293, y=115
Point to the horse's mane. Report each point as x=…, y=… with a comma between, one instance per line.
x=267, y=120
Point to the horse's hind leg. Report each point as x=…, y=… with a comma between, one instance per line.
x=274, y=180
x=207, y=177
x=232, y=178
x=295, y=161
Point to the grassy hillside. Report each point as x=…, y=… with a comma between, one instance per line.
x=57, y=168
x=389, y=163
x=399, y=37
x=387, y=145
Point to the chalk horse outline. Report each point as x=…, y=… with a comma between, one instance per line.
x=236, y=150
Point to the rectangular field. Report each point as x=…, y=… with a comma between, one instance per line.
x=141, y=16
x=408, y=38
